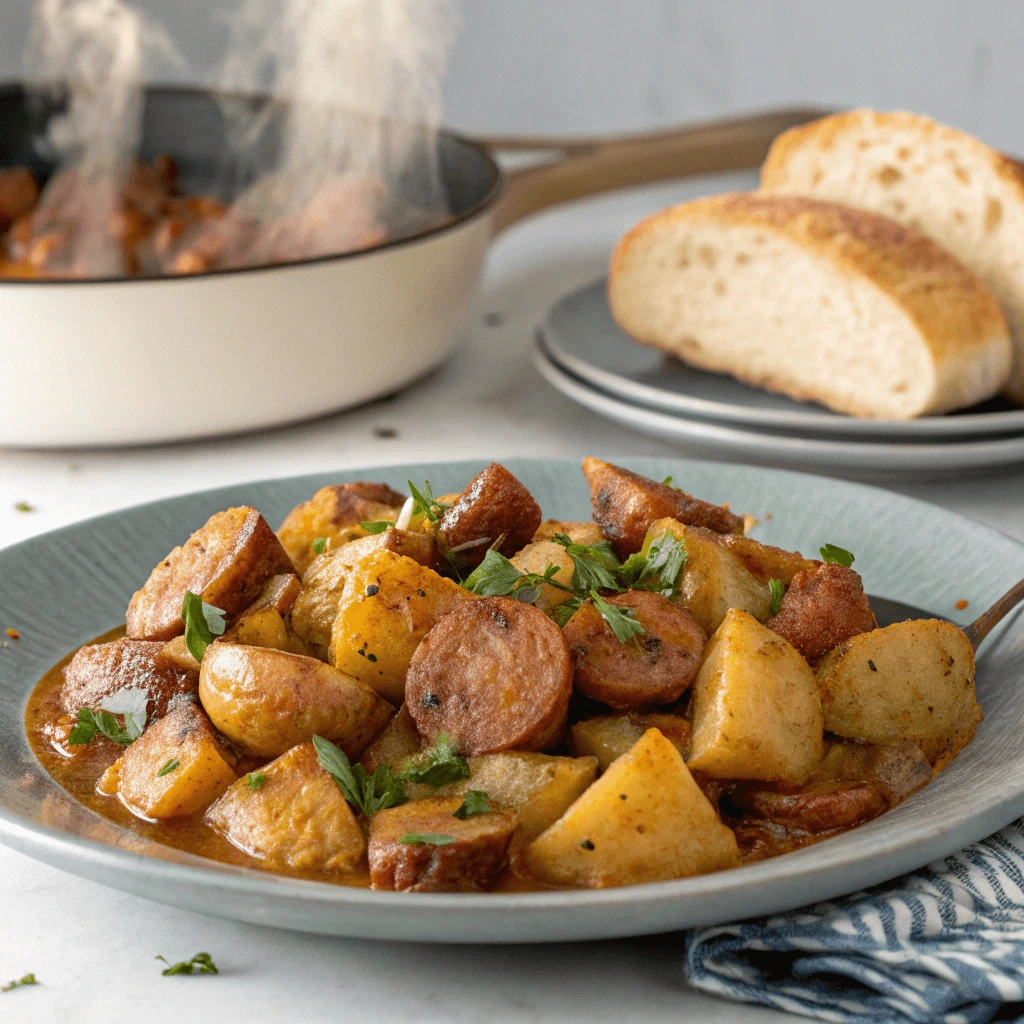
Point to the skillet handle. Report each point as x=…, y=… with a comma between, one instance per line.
x=590, y=165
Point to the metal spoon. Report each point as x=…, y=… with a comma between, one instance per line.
x=888, y=611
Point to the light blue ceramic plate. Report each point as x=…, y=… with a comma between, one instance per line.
x=66, y=587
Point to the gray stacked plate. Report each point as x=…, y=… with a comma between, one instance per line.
x=582, y=352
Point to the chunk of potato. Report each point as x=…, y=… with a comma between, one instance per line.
x=397, y=742
x=278, y=593
x=607, y=737
x=324, y=581
x=335, y=513
x=911, y=680
x=264, y=628
x=714, y=579
x=269, y=701
x=296, y=818
x=756, y=709
x=387, y=607
x=227, y=562
x=767, y=562
x=643, y=820
x=536, y=557
x=176, y=767
x=578, y=533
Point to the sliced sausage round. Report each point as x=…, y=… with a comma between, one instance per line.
x=655, y=667
x=818, y=807
x=493, y=674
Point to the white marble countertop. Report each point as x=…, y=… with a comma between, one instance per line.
x=92, y=949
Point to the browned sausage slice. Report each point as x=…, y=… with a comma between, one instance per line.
x=98, y=671
x=472, y=861
x=226, y=562
x=625, y=504
x=822, y=608
x=656, y=668
x=493, y=674
x=495, y=504
x=817, y=807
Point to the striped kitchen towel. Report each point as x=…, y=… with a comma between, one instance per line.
x=944, y=945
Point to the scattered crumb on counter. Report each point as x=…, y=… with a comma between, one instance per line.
x=494, y=319
x=23, y=506
x=749, y=522
x=385, y=432
x=12, y=633
x=962, y=604
x=767, y=517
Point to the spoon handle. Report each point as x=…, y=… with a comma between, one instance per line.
x=984, y=623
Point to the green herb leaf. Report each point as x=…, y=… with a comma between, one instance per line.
x=319, y=545
x=595, y=566
x=377, y=525
x=424, y=501
x=368, y=794
x=621, y=620
x=496, y=576
x=438, y=765
x=566, y=610
x=660, y=569
x=429, y=838
x=171, y=766
x=25, y=979
x=778, y=588
x=474, y=802
x=201, y=963
x=255, y=779
x=202, y=621
x=91, y=723
x=131, y=705
x=834, y=553
x=667, y=482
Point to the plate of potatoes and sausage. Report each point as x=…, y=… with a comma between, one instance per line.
x=512, y=702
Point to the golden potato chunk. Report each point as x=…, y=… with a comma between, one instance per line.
x=269, y=701
x=471, y=859
x=643, y=820
x=387, y=607
x=397, y=742
x=767, y=562
x=176, y=767
x=714, y=579
x=607, y=737
x=227, y=562
x=335, y=513
x=99, y=671
x=536, y=557
x=324, y=581
x=626, y=504
x=756, y=709
x=495, y=505
x=296, y=818
x=912, y=680
x=821, y=608
x=279, y=593
x=579, y=533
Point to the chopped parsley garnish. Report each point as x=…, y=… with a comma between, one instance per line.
x=429, y=838
x=659, y=570
x=90, y=722
x=424, y=502
x=201, y=963
x=203, y=623
x=319, y=545
x=566, y=610
x=595, y=566
x=622, y=620
x=25, y=979
x=377, y=525
x=474, y=802
x=667, y=482
x=366, y=793
x=23, y=506
x=778, y=588
x=437, y=766
x=255, y=779
x=496, y=576
x=173, y=765
x=834, y=553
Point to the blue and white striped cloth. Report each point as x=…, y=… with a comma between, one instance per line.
x=944, y=945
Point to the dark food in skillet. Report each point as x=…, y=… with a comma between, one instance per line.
x=449, y=694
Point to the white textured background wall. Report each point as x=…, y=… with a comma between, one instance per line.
x=606, y=65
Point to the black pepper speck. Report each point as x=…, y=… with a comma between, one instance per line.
x=372, y=589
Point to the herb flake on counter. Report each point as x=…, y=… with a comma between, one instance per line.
x=473, y=802
x=319, y=545
x=201, y=963
x=437, y=765
x=622, y=621
x=22, y=982
x=203, y=623
x=366, y=793
x=23, y=506
x=778, y=589
x=254, y=780
x=834, y=553
x=426, y=838
x=424, y=502
x=172, y=766
x=377, y=526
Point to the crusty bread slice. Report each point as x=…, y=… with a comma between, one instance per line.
x=941, y=181
x=815, y=300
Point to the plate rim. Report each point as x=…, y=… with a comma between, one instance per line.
x=797, y=421
x=920, y=846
